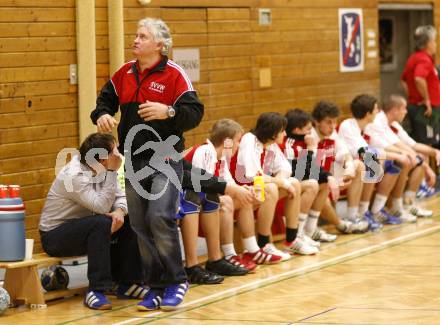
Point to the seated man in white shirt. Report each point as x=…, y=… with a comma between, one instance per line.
x=387, y=125
x=86, y=214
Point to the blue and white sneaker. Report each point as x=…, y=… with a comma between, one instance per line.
x=152, y=301
x=97, y=300
x=373, y=224
x=173, y=295
x=134, y=291
x=386, y=218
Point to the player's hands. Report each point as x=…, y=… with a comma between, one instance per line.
x=310, y=142
x=114, y=160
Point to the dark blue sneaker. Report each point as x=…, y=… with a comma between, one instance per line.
x=373, y=225
x=134, y=291
x=97, y=300
x=386, y=218
x=173, y=295
x=152, y=301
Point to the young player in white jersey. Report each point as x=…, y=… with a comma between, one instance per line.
x=259, y=154
x=364, y=109
x=336, y=158
x=387, y=125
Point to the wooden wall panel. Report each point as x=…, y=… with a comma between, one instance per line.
x=38, y=106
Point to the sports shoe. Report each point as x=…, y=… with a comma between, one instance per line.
x=134, y=291
x=322, y=236
x=151, y=301
x=173, y=296
x=261, y=257
x=97, y=300
x=358, y=226
x=309, y=241
x=386, y=218
x=198, y=275
x=237, y=260
x=298, y=246
x=405, y=216
x=373, y=225
x=417, y=211
x=271, y=249
x=224, y=267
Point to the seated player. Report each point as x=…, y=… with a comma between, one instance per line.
x=334, y=157
x=387, y=125
x=259, y=155
x=364, y=109
x=300, y=148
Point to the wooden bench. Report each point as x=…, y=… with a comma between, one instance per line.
x=23, y=283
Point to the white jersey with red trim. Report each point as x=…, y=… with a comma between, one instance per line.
x=381, y=135
x=254, y=159
x=205, y=157
x=402, y=134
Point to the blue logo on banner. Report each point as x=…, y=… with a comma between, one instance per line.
x=351, y=40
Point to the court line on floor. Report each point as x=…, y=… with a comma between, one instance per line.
x=301, y=270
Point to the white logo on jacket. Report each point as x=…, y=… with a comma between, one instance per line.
x=157, y=87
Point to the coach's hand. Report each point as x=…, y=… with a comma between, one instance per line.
x=106, y=123
x=150, y=111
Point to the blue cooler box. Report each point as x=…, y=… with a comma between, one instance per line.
x=12, y=230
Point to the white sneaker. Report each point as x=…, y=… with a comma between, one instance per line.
x=405, y=216
x=309, y=241
x=418, y=211
x=271, y=249
x=359, y=226
x=298, y=246
x=322, y=236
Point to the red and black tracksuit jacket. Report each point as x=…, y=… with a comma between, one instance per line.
x=167, y=83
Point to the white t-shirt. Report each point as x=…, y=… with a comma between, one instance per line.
x=403, y=135
x=250, y=154
x=205, y=157
x=381, y=135
x=351, y=134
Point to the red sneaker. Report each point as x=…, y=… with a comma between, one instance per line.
x=261, y=257
x=237, y=260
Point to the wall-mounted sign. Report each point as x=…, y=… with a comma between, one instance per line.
x=351, y=47
x=189, y=60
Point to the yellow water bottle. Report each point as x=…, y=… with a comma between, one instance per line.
x=259, y=188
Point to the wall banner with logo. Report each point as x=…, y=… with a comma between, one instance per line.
x=351, y=47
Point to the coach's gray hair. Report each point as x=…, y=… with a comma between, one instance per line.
x=160, y=32
x=422, y=36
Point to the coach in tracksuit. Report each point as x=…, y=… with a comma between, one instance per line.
x=158, y=103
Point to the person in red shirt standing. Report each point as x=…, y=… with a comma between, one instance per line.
x=421, y=83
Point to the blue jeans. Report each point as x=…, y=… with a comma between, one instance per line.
x=154, y=223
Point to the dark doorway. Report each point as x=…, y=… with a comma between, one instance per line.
x=397, y=23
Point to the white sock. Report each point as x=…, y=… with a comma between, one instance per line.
x=352, y=213
x=250, y=244
x=379, y=203
x=398, y=204
x=302, y=217
x=363, y=207
x=229, y=250
x=410, y=197
x=311, y=222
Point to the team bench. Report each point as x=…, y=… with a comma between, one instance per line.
x=23, y=283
